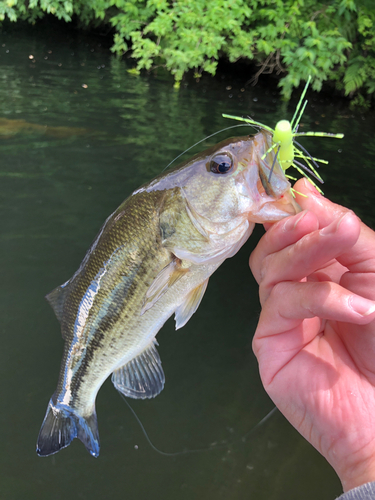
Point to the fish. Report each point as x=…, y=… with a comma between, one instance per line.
x=10, y=128
x=153, y=258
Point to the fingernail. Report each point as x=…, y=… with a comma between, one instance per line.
x=362, y=306
x=291, y=223
x=333, y=227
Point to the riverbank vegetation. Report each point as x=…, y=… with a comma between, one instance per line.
x=333, y=41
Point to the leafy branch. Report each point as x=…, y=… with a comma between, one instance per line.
x=332, y=41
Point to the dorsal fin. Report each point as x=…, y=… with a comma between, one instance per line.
x=142, y=377
x=56, y=300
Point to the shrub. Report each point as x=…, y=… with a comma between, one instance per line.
x=331, y=41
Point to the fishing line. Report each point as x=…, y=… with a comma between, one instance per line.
x=198, y=450
x=306, y=152
x=208, y=137
x=273, y=164
x=304, y=167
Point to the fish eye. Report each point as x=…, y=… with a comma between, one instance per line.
x=221, y=164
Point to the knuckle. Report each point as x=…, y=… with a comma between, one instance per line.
x=279, y=289
x=272, y=291
x=263, y=293
x=252, y=262
x=265, y=267
x=315, y=295
x=256, y=346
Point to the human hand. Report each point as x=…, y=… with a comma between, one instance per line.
x=315, y=340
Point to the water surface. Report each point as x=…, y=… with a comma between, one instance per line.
x=98, y=134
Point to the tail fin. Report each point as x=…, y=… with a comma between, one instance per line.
x=61, y=425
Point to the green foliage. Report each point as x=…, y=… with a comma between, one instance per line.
x=360, y=72
x=329, y=40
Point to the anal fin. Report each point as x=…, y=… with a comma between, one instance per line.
x=190, y=304
x=142, y=377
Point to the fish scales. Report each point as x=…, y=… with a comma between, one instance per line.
x=134, y=258
x=152, y=258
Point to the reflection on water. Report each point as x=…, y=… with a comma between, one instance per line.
x=117, y=131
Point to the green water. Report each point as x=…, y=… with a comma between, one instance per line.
x=57, y=188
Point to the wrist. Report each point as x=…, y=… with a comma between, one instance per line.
x=357, y=475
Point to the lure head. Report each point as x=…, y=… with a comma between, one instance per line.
x=285, y=145
x=283, y=137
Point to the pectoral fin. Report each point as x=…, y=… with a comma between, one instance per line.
x=142, y=377
x=163, y=281
x=191, y=303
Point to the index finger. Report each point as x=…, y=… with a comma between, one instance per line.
x=361, y=257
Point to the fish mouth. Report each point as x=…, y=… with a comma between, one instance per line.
x=274, y=211
x=267, y=201
x=269, y=186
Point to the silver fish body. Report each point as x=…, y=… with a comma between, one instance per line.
x=152, y=258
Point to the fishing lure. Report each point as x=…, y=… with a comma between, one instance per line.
x=288, y=151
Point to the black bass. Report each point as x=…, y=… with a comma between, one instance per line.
x=152, y=258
